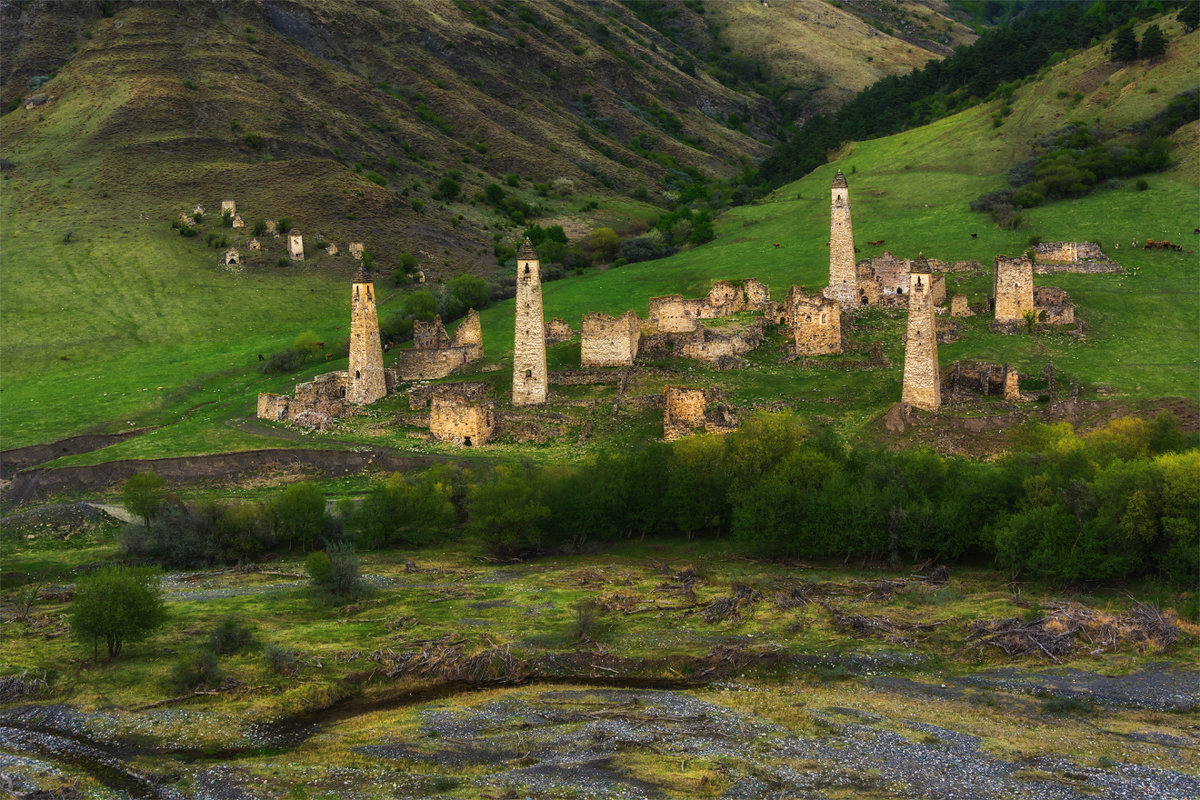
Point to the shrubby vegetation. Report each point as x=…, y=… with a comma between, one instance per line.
x=116, y=605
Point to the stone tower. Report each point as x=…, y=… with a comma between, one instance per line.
x=815, y=323
x=922, y=381
x=1012, y=288
x=295, y=245
x=529, y=347
x=843, y=281
x=364, y=378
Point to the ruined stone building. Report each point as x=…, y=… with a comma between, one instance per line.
x=228, y=207
x=461, y=414
x=609, y=342
x=967, y=379
x=558, y=331
x=232, y=258
x=922, y=381
x=884, y=281
x=295, y=245
x=1012, y=288
x=686, y=410
x=842, y=275
x=1053, y=305
x=356, y=250
x=674, y=314
x=529, y=346
x=365, y=382
x=814, y=323
x=315, y=404
x=237, y=221
x=254, y=244
x=959, y=306
x=1085, y=257
x=436, y=355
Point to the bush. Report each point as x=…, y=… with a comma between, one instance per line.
x=1142, y=184
x=602, y=244
x=280, y=660
x=300, y=514
x=288, y=360
x=471, y=291
x=507, y=512
x=230, y=635
x=283, y=225
x=196, y=670
x=187, y=231
x=117, y=604
x=448, y=189
x=143, y=495
x=408, y=511
x=644, y=248
x=335, y=573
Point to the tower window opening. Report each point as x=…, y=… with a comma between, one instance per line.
x=528, y=373
x=526, y=270
x=466, y=441
x=357, y=374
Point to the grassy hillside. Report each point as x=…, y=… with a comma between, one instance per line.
x=912, y=190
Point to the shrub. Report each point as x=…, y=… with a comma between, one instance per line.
x=335, y=573
x=376, y=178
x=408, y=511
x=602, y=243
x=471, y=290
x=196, y=670
x=448, y=189
x=230, y=635
x=280, y=660
x=117, y=604
x=300, y=513
x=284, y=224
x=584, y=620
x=187, y=231
x=507, y=512
x=143, y=495
x=1142, y=184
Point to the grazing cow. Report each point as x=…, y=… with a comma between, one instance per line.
x=1133, y=243
x=320, y=344
x=1195, y=230
x=1117, y=245
x=260, y=357
x=777, y=244
x=328, y=356
x=876, y=243
x=974, y=235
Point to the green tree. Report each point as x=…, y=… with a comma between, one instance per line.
x=300, y=513
x=144, y=494
x=507, y=512
x=603, y=244
x=702, y=228
x=1154, y=44
x=1124, y=46
x=448, y=189
x=117, y=604
x=420, y=305
x=471, y=290
x=335, y=572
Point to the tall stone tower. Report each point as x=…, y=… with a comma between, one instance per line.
x=1012, y=288
x=529, y=347
x=922, y=381
x=843, y=280
x=364, y=379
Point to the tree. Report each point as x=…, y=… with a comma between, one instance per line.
x=603, y=243
x=1124, y=46
x=471, y=290
x=1154, y=44
x=448, y=189
x=702, y=228
x=420, y=305
x=507, y=512
x=117, y=604
x=144, y=494
x=1189, y=16
x=300, y=513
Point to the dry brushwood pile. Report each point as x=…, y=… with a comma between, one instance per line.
x=446, y=659
x=860, y=626
x=19, y=687
x=1066, y=626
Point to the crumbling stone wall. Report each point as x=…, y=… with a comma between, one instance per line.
x=461, y=418
x=366, y=381
x=254, y=244
x=1053, y=305
x=436, y=355
x=467, y=391
x=228, y=207
x=1012, y=288
x=609, y=341
x=843, y=278
x=316, y=404
x=687, y=410
x=529, y=348
x=558, y=331
x=1069, y=251
x=815, y=323
x=332, y=249
x=673, y=314
x=356, y=250
x=959, y=306
x=973, y=378
x=922, y=382
x=233, y=258
x=295, y=245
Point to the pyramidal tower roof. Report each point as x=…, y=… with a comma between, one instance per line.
x=919, y=264
x=527, y=252
x=361, y=276
x=839, y=180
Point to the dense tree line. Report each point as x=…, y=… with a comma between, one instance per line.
x=1000, y=56
x=1120, y=502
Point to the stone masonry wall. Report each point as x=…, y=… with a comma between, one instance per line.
x=684, y=411
x=529, y=347
x=1053, y=305
x=608, y=341
x=815, y=323
x=436, y=355
x=1012, y=288
x=558, y=331
x=459, y=421
x=1069, y=251
x=670, y=314
x=365, y=380
x=922, y=382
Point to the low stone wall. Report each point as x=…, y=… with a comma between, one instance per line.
x=419, y=396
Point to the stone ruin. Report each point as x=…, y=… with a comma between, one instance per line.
x=968, y=379
x=814, y=323
x=530, y=383
x=558, y=331
x=228, y=207
x=676, y=328
x=232, y=258
x=185, y=219
x=295, y=245
x=1086, y=257
x=356, y=250
x=1014, y=294
x=459, y=413
x=253, y=244
x=674, y=314
x=271, y=227
x=959, y=306
x=316, y=404
x=609, y=342
x=686, y=411
x=884, y=281
x=436, y=355
x=237, y=221
x=332, y=249
x=199, y=209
